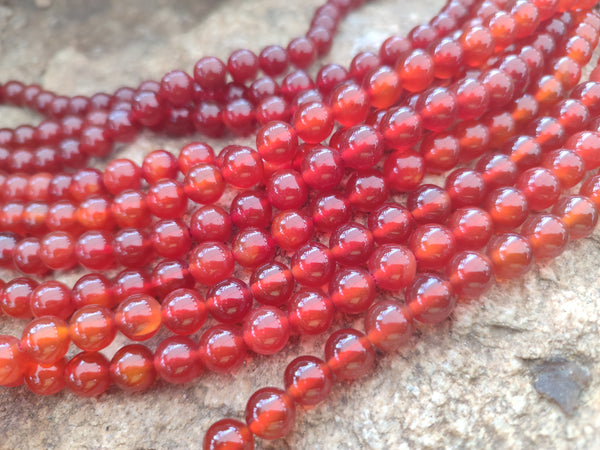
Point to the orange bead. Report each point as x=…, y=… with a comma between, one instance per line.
x=12, y=361
x=46, y=339
x=383, y=87
x=92, y=328
x=511, y=255
x=46, y=379
x=87, y=374
x=132, y=368
x=138, y=317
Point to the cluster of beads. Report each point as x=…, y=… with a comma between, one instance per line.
x=329, y=210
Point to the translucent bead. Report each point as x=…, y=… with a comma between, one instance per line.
x=270, y=413
x=176, y=360
x=308, y=380
x=132, y=368
x=349, y=354
x=266, y=330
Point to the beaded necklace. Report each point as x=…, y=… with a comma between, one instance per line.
x=483, y=83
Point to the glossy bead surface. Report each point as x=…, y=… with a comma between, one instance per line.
x=472, y=228
x=15, y=297
x=270, y=413
x=312, y=264
x=352, y=290
x=313, y=122
x=204, y=183
x=229, y=301
x=132, y=368
x=429, y=203
x=222, y=348
x=540, y=187
x=511, y=254
x=46, y=339
x=87, y=374
x=388, y=325
x=351, y=244
x=393, y=266
x=308, y=380
x=432, y=245
x=211, y=262
x=507, y=207
x=390, y=223
x=183, y=311
x=266, y=330
x=272, y=283
x=286, y=189
x=167, y=199
x=252, y=247
x=311, y=311
x=176, y=360
x=12, y=361
x=138, y=317
x=349, y=354
x=430, y=298
x=228, y=434
x=46, y=379
x=51, y=298
x=92, y=328
x=578, y=213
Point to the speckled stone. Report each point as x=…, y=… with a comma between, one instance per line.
x=468, y=383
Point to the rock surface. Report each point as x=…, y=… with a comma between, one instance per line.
x=469, y=383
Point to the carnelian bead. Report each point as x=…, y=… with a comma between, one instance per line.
x=88, y=374
x=120, y=175
x=11, y=217
x=439, y=152
x=572, y=114
x=416, y=70
x=432, y=245
x=438, y=108
x=287, y=190
x=322, y=168
x=167, y=199
x=94, y=250
x=349, y=354
x=229, y=301
x=330, y=76
x=228, y=434
x=390, y=223
x=401, y=127
x=312, y=264
x=311, y=311
x=540, y=187
x=46, y=339
x=34, y=217
x=566, y=165
x=313, y=122
x=270, y=413
x=94, y=213
x=176, y=87
x=547, y=234
x=276, y=142
x=138, y=317
x=129, y=282
x=92, y=327
x=272, y=283
x=511, y=254
x=266, y=330
x=503, y=29
x=129, y=209
x=383, y=87
x=95, y=142
x=351, y=244
x=210, y=73
x=366, y=190
x=497, y=170
x=15, y=297
x=176, y=360
x=242, y=65
x=470, y=273
x=132, y=247
x=393, y=266
x=586, y=145
x=204, y=183
x=38, y=186
x=132, y=368
x=507, y=206
x=15, y=186
x=465, y=187
x=250, y=209
x=159, y=164
x=548, y=132
x=472, y=98
x=51, y=298
x=472, y=228
x=591, y=189
x=210, y=223
x=12, y=361
x=361, y=147
x=183, y=311
x=393, y=48
x=8, y=242
x=195, y=153
x=171, y=238
x=211, y=262
x=169, y=275
x=447, y=57
x=252, y=247
x=120, y=126
x=46, y=379
x=429, y=203
x=388, y=325
x=352, y=290
x=26, y=257
x=294, y=83
x=208, y=119
x=291, y=229
x=242, y=167
x=430, y=298
x=93, y=289
x=301, y=52
x=578, y=213
x=477, y=44
x=349, y=104
x=222, y=348
x=308, y=380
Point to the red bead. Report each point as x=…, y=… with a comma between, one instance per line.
x=352, y=290
x=591, y=189
x=511, y=254
x=497, y=170
x=183, y=311
x=250, y=209
x=393, y=48
x=93, y=289
x=308, y=380
x=465, y=187
x=329, y=211
x=276, y=142
x=291, y=230
x=273, y=60
x=272, y=284
x=222, y=348
x=132, y=368
x=176, y=360
x=46, y=379
x=169, y=275
x=439, y=152
x=430, y=298
x=94, y=214
x=471, y=274
x=393, y=266
x=438, y=108
x=388, y=325
x=138, y=317
x=210, y=223
x=129, y=282
x=366, y=190
x=208, y=119
x=472, y=228
x=92, y=328
x=473, y=99
x=15, y=297
x=266, y=330
x=507, y=206
x=159, y=164
x=349, y=354
x=478, y=45
x=211, y=262
x=195, y=153
x=351, y=244
x=429, y=203
x=242, y=167
x=210, y=73
x=85, y=183
x=311, y=311
x=349, y=104
x=270, y=413
x=447, y=57
x=547, y=234
x=312, y=264
x=26, y=257
x=176, y=88
x=12, y=361
x=226, y=434
x=94, y=250
x=313, y=122
x=390, y=223
x=301, y=52
x=238, y=116
x=540, y=187
x=242, y=65
x=229, y=301
x=578, y=213
x=120, y=175
x=566, y=165
x=87, y=374
x=401, y=128
x=432, y=245
x=129, y=209
x=252, y=247
x=361, y=147
x=416, y=70
x=46, y=339
x=383, y=87
x=51, y=298
x=287, y=190
x=586, y=145
x=171, y=238
x=322, y=168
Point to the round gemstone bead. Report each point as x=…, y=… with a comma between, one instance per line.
x=311, y=311
x=388, y=325
x=270, y=413
x=46, y=379
x=12, y=361
x=430, y=298
x=352, y=290
x=272, y=283
x=138, y=317
x=578, y=213
x=222, y=348
x=211, y=262
x=92, y=328
x=287, y=189
x=132, y=368
x=349, y=354
x=390, y=223
x=228, y=434
x=291, y=229
x=432, y=245
x=429, y=203
x=204, y=183
x=51, y=298
x=183, y=311
x=472, y=228
x=266, y=330
x=308, y=380
x=547, y=234
x=87, y=374
x=312, y=264
x=210, y=223
x=393, y=266
x=252, y=247
x=176, y=360
x=46, y=339
x=511, y=254
x=330, y=211
x=229, y=301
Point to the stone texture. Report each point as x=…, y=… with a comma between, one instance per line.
x=469, y=383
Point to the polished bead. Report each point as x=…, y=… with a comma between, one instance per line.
x=540, y=187
x=204, y=183
x=430, y=298
x=383, y=87
x=272, y=283
x=308, y=380
x=176, y=360
x=270, y=413
x=351, y=244
x=311, y=311
x=349, y=354
x=252, y=247
x=578, y=213
x=132, y=248
x=566, y=165
x=511, y=254
x=183, y=311
x=352, y=290
x=228, y=434
x=472, y=228
x=390, y=223
x=171, y=238
x=46, y=339
x=266, y=330
x=159, y=164
x=26, y=257
x=438, y=109
x=287, y=190
x=322, y=168
x=87, y=374
x=129, y=282
x=46, y=379
x=429, y=203
x=129, y=209
x=403, y=171
x=176, y=88
x=465, y=187
x=416, y=70
x=132, y=368
x=591, y=189
x=388, y=325
x=169, y=275
x=349, y=104
x=229, y=301
x=167, y=199
x=393, y=266
x=12, y=361
x=497, y=170
x=472, y=98
x=401, y=127
x=120, y=175
x=222, y=348
x=94, y=250
x=432, y=245
x=92, y=328
x=93, y=289
x=211, y=262
x=507, y=206
x=470, y=273
x=210, y=223
x=547, y=234
x=250, y=209
x=291, y=229
x=51, y=298
x=241, y=167
x=439, y=152
x=138, y=317
x=366, y=190
x=15, y=297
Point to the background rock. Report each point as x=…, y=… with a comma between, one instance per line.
x=468, y=383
